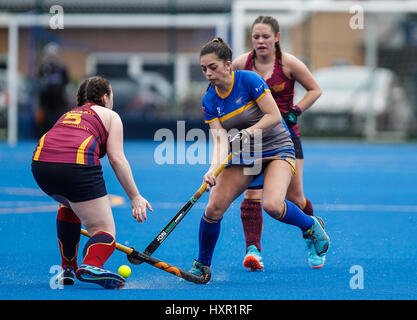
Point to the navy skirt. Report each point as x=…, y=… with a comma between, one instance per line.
x=73, y=182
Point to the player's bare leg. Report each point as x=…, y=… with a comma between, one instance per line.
x=229, y=185
x=295, y=191
x=96, y=215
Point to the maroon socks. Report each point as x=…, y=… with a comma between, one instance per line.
x=308, y=208
x=252, y=220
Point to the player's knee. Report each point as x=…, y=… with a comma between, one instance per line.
x=214, y=211
x=97, y=228
x=297, y=198
x=273, y=207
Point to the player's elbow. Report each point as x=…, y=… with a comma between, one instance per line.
x=318, y=92
x=276, y=117
x=116, y=161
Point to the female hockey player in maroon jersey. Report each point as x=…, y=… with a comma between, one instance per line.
x=66, y=166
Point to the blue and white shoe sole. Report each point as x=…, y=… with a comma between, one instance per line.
x=107, y=280
x=66, y=281
x=318, y=266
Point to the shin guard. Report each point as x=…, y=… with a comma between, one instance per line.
x=68, y=231
x=98, y=249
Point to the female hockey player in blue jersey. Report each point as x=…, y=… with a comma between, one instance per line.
x=241, y=102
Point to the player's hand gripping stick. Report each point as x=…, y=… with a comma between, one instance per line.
x=238, y=141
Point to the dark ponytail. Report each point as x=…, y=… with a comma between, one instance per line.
x=219, y=47
x=81, y=97
x=92, y=90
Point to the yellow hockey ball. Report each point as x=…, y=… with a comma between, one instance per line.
x=124, y=271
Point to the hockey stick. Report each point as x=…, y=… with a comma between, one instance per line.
x=136, y=257
x=157, y=241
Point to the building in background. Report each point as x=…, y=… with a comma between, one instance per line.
x=150, y=50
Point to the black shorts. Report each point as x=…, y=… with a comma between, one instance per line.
x=73, y=182
x=298, y=147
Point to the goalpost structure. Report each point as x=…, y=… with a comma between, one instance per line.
x=245, y=11
x=234, y=24
x=218, y=22
x=241, y=9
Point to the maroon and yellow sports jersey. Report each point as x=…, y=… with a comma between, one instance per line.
x=282, y=88
x=78, y=137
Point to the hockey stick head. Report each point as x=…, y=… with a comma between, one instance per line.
x=136, y=258
x=203, y=279
x=206, y=274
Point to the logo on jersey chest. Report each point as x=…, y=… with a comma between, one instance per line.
x=278, y=87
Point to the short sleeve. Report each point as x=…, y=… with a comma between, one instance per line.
x=207, y=105
x=255, y=85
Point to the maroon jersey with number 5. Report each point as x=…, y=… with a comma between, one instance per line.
x=78, y=137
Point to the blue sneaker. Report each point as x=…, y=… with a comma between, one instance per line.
x=197, y=268
x=65, y=277
x=253, y=259
x=103, y=277
x=314, y=260
x=318, y=236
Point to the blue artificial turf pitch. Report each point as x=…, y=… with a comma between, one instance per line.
x=366, y=194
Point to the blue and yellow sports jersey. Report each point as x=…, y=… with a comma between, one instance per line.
x=246, y=89
x=238, y=109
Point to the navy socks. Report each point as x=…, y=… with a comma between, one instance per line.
x=210, y=229
x=208, y=235
x=291, y=214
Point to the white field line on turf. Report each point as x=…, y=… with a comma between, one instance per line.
x=14, y=204
x=322, y=207
x=11, y=207
x=32, y=209
x=22, y=191
x=20, y=207
x=365, y=207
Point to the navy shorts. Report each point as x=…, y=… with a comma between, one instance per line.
x=73, y=182
x=298, y=147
